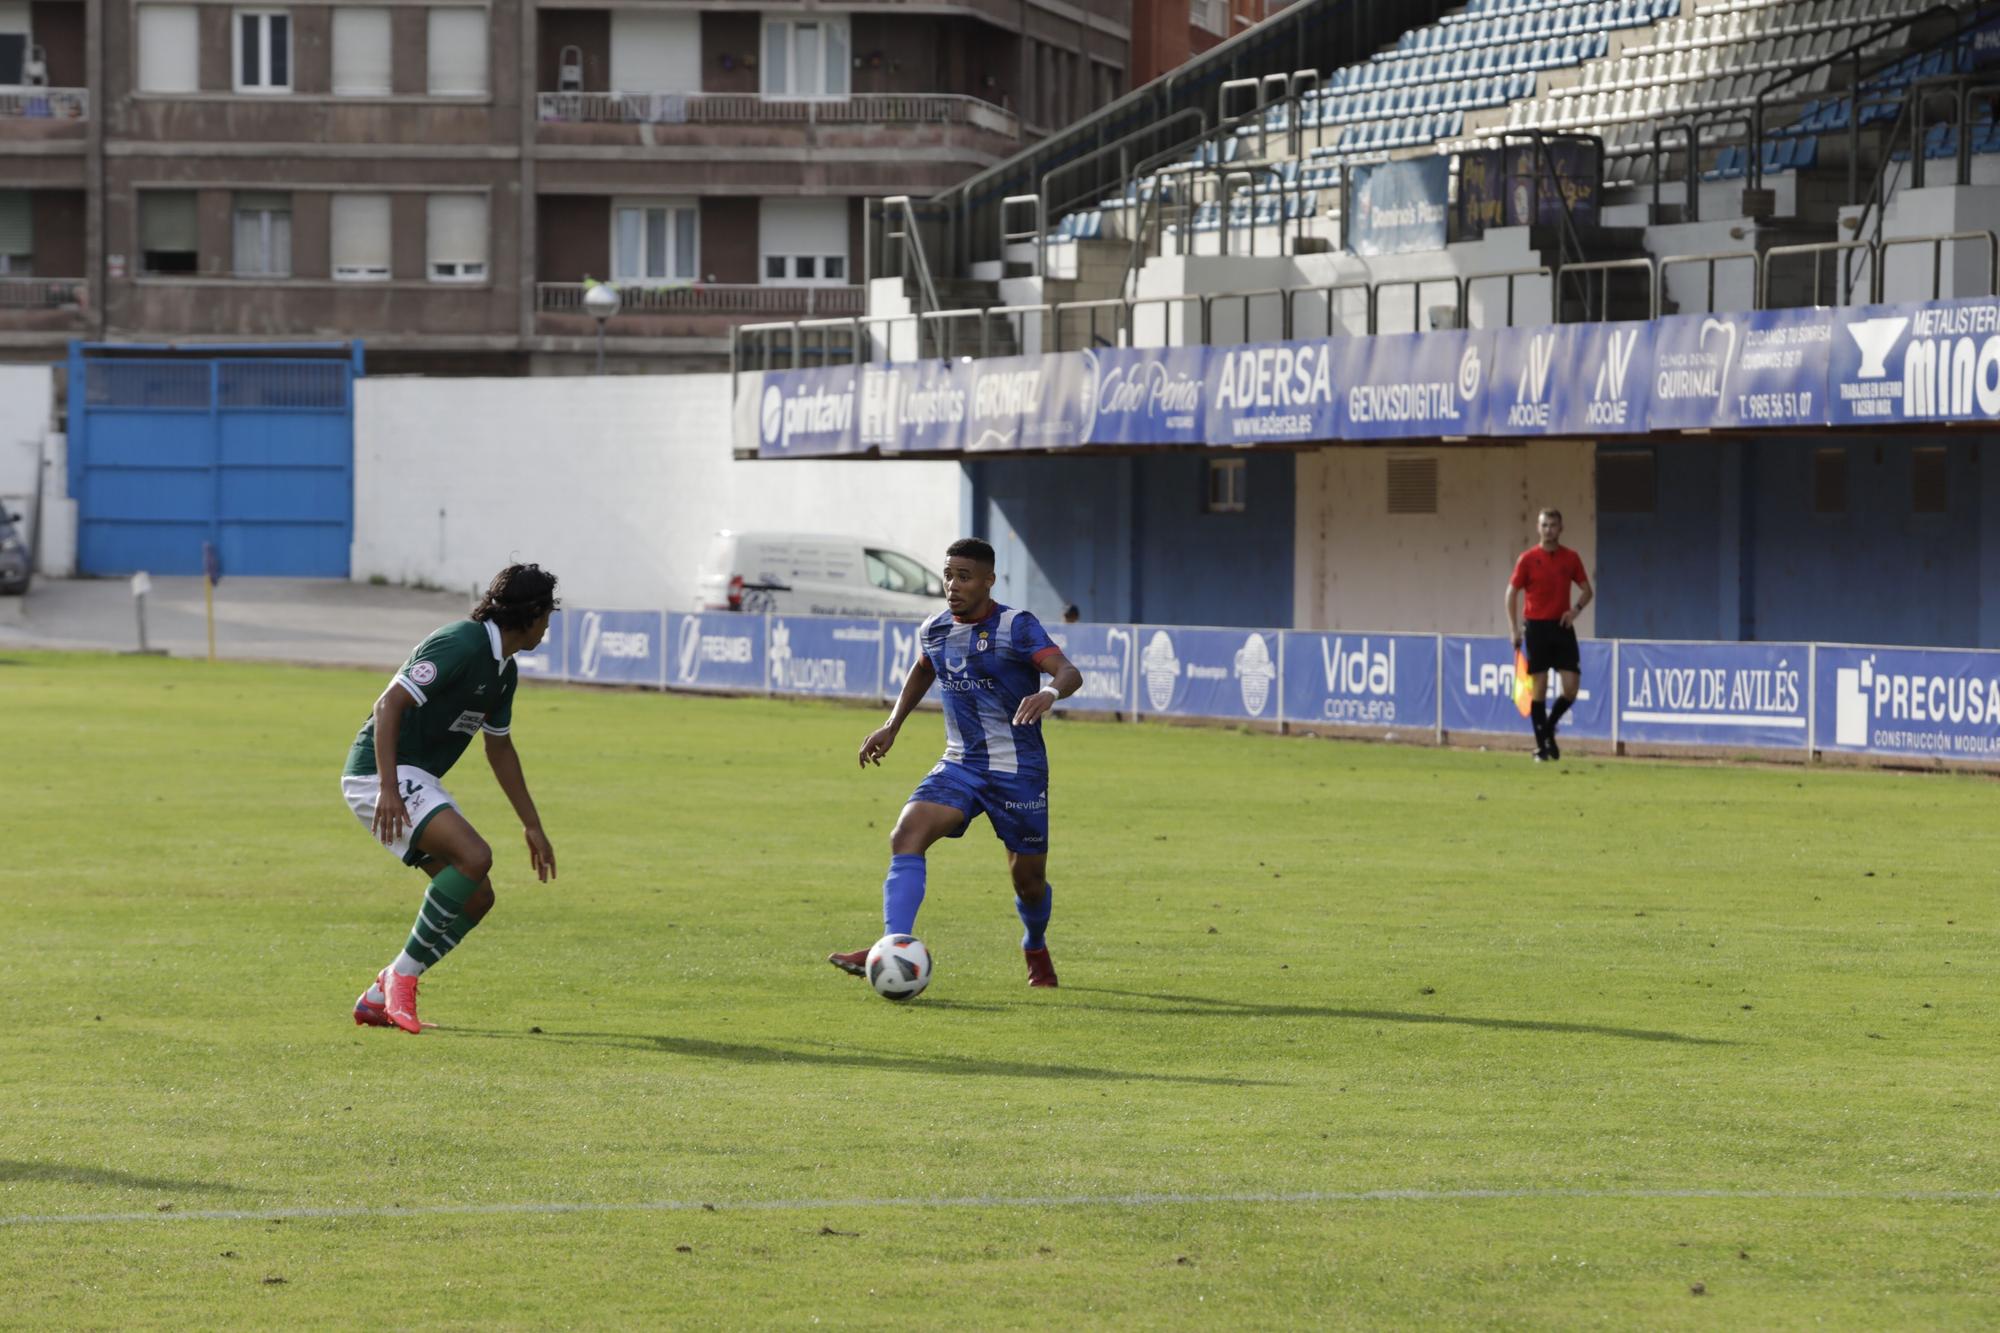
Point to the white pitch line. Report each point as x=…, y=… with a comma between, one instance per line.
x=995, y=1201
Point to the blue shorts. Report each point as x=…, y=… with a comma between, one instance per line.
x=1017, y=804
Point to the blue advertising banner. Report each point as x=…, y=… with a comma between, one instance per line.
x=1479, y=689
x=615, y=648
x=1933, y=362
x=825, y=655
x=914, y=408
x=1755, y=368
x=1605, y=387
x=715, y=650
x=1103, y=653
x=1263, y=392
x=1147, y=395
x=807, y=413
x=548, y=660
x=1226, y=673
x=1935, y=703
x=1424, y=385
x=1742, y=694
x=1398, y=207
x=1028, y=402
x=899, y=641
x=1366, y=680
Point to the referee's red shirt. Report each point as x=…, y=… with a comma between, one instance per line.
x=1547, y=576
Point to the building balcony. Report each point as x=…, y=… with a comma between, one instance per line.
x=709, y=310
x=889, y=121
x=43, y=113
x=43, y=305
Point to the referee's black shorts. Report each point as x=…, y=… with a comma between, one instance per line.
x=1551, y=646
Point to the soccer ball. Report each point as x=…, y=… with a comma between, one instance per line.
x=899, y=967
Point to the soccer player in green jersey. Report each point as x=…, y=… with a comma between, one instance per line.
x=458, y=683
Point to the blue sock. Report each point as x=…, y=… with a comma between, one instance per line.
x=902, y=894
x=1036, y=918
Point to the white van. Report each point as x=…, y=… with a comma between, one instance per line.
x=806, y=574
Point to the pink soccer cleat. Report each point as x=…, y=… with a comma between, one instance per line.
x=854, y=964
x=402, y=1006
x=371, y=1013
x=1041, y=972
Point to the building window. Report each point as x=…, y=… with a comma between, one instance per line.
x=1413, y=485
x=359, y=227
x=1226, y=486
x=803, y=242
x=805, y=58
x=263, y=234
x=14, y=40
x=455, y=237
x=1829, y=481
x=1625, y=482
x=169, y=49
x=17, y=235
x=458, y=41
x=1927, y=480
x=654, y=242
x=169, y=234
x=263, y=51
x=361, y=45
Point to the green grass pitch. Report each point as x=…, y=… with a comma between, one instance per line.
x=1348, y=1035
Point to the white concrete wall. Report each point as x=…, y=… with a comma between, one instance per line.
x=27, y=396
x=1360, y=567
x=616, y=483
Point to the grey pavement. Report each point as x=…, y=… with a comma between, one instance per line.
x=324, y=621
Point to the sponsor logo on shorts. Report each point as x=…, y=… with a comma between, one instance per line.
x=1039, y=803
x=423, y=673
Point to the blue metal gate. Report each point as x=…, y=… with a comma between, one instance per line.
x=255, y=453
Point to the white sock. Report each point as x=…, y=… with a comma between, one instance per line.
x=406, y=966
x=375, y=995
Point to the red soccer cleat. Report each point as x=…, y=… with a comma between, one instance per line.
x=854, y=964
x=402, y=1006
x=1041, y=972
x=367, y=1012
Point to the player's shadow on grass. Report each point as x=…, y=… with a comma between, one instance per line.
x=1200, y=1006
x=60, y=1174
x=891, y=1062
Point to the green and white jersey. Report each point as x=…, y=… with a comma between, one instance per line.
x=462, y=685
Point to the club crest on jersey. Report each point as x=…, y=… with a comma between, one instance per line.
x=423, y=673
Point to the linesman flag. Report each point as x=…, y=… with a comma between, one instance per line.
x=1524, y=688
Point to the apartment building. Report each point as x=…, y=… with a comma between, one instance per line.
x=444, y=180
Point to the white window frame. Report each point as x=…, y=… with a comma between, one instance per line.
x=356, y=13
x=359, y=272
x=459, y=271
x=269, y=230
x=485, y=16
x=264, y=17
x=790, y=277
x=668, y=276
x=792, y=23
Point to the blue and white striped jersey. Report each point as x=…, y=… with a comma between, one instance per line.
x=984, y=669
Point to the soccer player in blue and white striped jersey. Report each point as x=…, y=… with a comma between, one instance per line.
x=988, y=660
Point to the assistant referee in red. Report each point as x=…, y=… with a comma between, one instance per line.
x=1546, y=572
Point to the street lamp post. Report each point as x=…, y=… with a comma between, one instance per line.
x=602, y=301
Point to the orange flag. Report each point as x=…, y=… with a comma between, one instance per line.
x=1524, y=689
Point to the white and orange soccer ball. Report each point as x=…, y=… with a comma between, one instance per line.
x=899, y=967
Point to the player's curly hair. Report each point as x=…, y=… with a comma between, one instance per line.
x=971, y=548
x=518, y=596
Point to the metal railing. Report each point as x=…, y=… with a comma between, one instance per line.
x=564, y=298
x=44, y=103
x=903, y=237
x=1603, y=269
x=1334, y=310
x=1844, y=276
x=752, y=109
x=44, y=293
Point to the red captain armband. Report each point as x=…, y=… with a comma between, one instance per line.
x=1046, y=654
